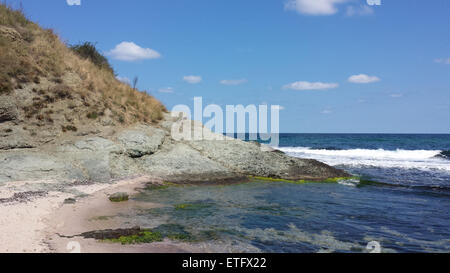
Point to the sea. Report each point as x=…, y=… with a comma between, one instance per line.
x=398, y=201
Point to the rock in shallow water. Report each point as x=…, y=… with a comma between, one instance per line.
x=119, y=197
x=254, y=159
x=70, y=201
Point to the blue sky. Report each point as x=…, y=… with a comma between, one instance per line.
x=299, y=54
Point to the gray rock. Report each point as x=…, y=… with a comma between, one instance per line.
x=29, y=166
x=146, y=150
x=97, y=144
x=253, y=159
x=17, y=141
x=94, y=165
x=70, y=201
x=92, y=144
x=119, y=197
x=179, y=163
x=138, y=143
x=124, y=166
x=169, y=120
x=8, y=109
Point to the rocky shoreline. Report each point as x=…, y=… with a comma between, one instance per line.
x=151, y=150
x=42, y=188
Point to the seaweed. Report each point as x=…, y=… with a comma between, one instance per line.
x=329, y=180
x=143, y=237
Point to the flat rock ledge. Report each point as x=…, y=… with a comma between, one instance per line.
x=151, y=150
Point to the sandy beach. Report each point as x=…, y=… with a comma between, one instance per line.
x=44, y=223
x=23, y=223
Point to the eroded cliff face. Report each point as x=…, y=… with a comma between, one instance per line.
x=108, y=154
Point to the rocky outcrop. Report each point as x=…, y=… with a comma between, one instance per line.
x=151, y=150
x=14, y=139
x=35, y=165
x=179, y=163
x=251, y=158
x=141, y=141
x=8, y=110
x=10, y=33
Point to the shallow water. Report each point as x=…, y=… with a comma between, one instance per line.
x=405, y=207
x=323, y=217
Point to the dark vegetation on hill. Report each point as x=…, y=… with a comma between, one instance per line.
x=48, y=86
x=88, y=51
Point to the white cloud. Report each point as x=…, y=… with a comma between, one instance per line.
x=73, y=2
x=314, y=7
x=396, y=95
x=363, y=78
x=167, y=90
x=129, y=51
x=442, y=61
x=310, y=86
x=233, y=82
x=359, y=10
x=326, y=112
x=192, y=79
x=124, y=79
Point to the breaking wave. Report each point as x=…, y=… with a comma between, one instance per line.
x=408, y=159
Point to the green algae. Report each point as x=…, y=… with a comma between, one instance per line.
x=143, y=237
x=172, y=184
x=101, y=218
x=157, y=187
x=191, y=206
x=175, y=232
x=119, y=197
x=211, y=234
x=329, y=180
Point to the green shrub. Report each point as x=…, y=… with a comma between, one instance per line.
x=69, y=128
x=121, y=118
x=88, y=51
x=92, y=115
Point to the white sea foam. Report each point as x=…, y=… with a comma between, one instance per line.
x=409, y=159
x=349, y=182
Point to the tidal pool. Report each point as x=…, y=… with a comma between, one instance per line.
x=312, y=217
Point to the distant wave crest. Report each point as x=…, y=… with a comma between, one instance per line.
x=416, y=159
